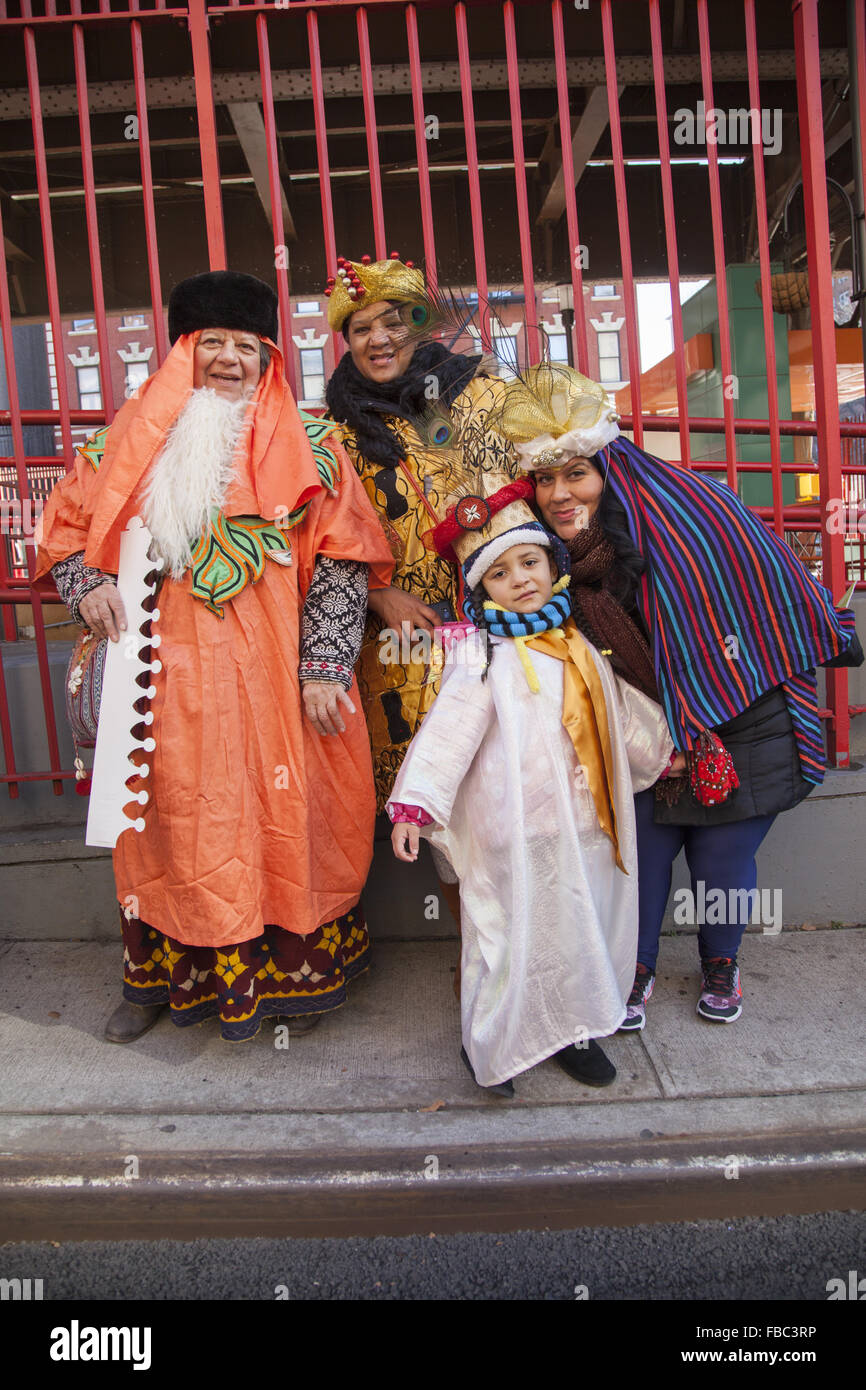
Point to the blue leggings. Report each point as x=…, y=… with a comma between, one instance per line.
x=722, y=856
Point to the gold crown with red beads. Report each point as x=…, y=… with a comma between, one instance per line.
x=366, y=281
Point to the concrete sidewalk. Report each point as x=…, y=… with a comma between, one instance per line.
x=370, y=1123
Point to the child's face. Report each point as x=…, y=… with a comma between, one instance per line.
x=521, y=579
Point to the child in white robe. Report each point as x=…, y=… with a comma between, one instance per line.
x=535, y=815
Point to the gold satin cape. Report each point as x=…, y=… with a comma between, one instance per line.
x=584, y=718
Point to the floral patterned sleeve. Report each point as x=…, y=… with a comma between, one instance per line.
x=74, y=581
x=332, y=623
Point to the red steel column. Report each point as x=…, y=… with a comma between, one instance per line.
x=210, y=169
x=421, y=147
x=579, y=335
x=670, y=228
x=631, y=328
x=474, y=178
x=276, y=191
x=337, y=339
x=533, y=337
x=764, y=261
x=807, y=52
x=92, y=222
x=372, y=138
x=718, y=250
x=147, y=192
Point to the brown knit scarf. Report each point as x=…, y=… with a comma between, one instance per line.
x=605, y=622
x=598, y=614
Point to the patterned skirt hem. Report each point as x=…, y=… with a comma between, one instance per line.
x=244, y=1030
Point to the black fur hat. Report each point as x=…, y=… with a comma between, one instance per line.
x=222, y=299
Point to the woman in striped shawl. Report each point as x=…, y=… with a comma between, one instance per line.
x=707, y=611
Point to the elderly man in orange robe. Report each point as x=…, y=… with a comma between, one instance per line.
x=239, y=898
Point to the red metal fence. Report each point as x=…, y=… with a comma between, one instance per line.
x=33, y=18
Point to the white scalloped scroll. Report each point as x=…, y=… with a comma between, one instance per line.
x=112, y=803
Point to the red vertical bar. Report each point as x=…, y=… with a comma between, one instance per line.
x=622, y=222
x=147, y=192
x=48, y=240
x=324, y=163
x=18, y=432
x=811, y=122
x=210, y=169
x=21, y=470
x=372, y=140
x=533, y=341
x=474, y=178
x=670, y=229
x=92, y=222
x=860, y=116
x=276, y=191
x=764, y=261
x=421, y=146
x=718, y=250
x=580, y=345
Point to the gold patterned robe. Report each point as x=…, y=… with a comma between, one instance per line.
x=397, y=696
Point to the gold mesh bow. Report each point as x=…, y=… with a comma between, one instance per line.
x=552, y=400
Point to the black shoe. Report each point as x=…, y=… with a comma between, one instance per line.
x=502, y=1088
x=131, y=1021
x=587, y=1064
x=298, y=1024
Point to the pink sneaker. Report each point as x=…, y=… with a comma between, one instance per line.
x=721, y=991
x=635, y=1014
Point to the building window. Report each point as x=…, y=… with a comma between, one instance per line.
x=133, y=321
x=604, y=292
x=89, y=393
x=557, y=347
x=313, y=373
x=608, y=357
x=83, y=326
x=505, y=349
x=307, y=306
x=136, y=373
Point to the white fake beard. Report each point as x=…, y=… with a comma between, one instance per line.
x=191, y=475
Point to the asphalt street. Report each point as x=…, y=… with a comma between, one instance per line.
x=781, y=1258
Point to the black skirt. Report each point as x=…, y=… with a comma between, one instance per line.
x=762, y=744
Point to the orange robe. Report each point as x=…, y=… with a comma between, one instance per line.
x=254, y=818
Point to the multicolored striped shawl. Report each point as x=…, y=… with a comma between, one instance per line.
x=730, y=610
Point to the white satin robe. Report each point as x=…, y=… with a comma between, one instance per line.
x=549, y=923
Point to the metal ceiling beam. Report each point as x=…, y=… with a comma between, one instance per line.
x=391, y=79
x=250, y=129
x=591, y=125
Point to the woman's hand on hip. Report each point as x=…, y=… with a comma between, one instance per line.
x=396, y=606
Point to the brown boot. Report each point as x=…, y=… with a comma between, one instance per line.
x=130, y=1021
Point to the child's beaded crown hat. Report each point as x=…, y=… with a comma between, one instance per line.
x=482, y=524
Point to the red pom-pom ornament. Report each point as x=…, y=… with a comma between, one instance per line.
x=712, y=775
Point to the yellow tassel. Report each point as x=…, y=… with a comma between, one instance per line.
x=526, y=662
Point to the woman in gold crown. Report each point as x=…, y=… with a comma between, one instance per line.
x=706, y=610
x=388, y=381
